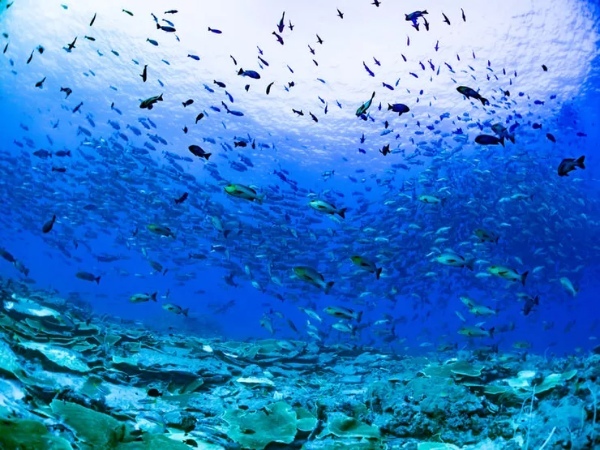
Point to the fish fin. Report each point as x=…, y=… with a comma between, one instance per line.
x=378, y=272
x=160, y=97
x=97, y=280
x=524, y=277
x=359, y=316
x=502, y=141
x=511, y=138
x=342, y=213
x=153, y=296
x=580, y=162
x=328, y=286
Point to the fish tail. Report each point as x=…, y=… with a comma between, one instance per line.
x=160, y=97
x=359, y=316
x=424, y=12
x=378, y=272
x=389, y=106
x=484, y=101
x=469, y=264
x=153, y=296
x=342, y=213
x=185, y=311
x=502, y=141
x=207, y=155
x=241, y=71
x=511, y=138
x=97, y=279
x=524, y=277
x=373, y=95
x=157, y=26
x=226, y=233
x=259, y=199
x=580, y=162
x=328, y=286
x=491, y=331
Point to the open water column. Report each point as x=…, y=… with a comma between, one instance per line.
x=299, y=225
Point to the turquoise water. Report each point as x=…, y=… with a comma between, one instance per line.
x=127, y=165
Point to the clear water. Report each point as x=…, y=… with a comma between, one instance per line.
x=116, y=184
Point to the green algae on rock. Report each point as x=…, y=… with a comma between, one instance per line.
x=29, y=435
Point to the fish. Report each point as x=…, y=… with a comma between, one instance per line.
x=165, y=28
x=183, y=198
x=341, y=312
x=455, y=260
x=502, y=132
x=245, y=192
x=567, y=165
x=340, y=14
x=412, y=17
x=327, y=208
x=128, y=12
x=313, y=277
x=446, y=20
x=144, y=74
x=508, y=274
x=160, y=230
x=486, y=139
x=530, y=302
x=93, y=19
x=476, y=332
x=365, y=106
x=187, y=102
x=249, y=73
x=214, y=30
x=47, y=227
x=149, y=102
x=471, y=93
x=399, y=108
x=198, y=151
x=142, y=298
x=176, y=309
x=88, y=277
x=367, y=265
x=153, y=42
x=40, y=84
x=568, y=286
x=486, y=235
x=278, y=37
x=194, y=57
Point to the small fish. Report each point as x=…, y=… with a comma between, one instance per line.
x=412, y=17
x=281, y=24
x=486, y=236
x=194, y=57
x=300, y=113
x=245, y=192
x=313, y=277
x=446, y=19
x=213, y=30
x=369, y=71
x=40, y=84
x=486, y=139
x=160, y=230
x=399, y=108
x=269, y=87
x=127, y=12
x=199, y=117
x=144, y=74
x=319, y=40
x=568, y=286
x=187, y=103
x=166, y=28
x=544, y=68
x=454, y=260
x=152, y=41
x=176, y=309
x=385, y=150
x=183, y=198
x=149, y=102
x=569, y=164
x=367, y=265
x=327, y=208
x=551, y=137
x=464, y=18
x=471, y=93
x=530, y=302
x=171, y=11
x=88, y=277
x=67, y=91
x=508, y=274
x=278, y=37
x=249, y=73
x=365, y=106
x=196, y=150
x=341, y=312
x=90, y=38
x=142, y=298
x=93, y=20
x=47, y=227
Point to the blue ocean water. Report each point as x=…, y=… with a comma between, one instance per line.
x=231, y=260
